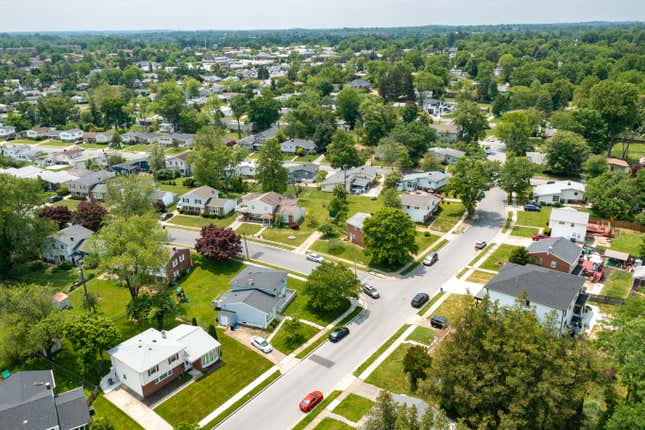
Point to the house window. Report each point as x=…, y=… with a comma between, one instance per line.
x=173, y=358
x=163, y=376
x=174, y=263
x=198, y=202
x=209, y=358
x=556, y=198
x=153, y=370
x=182, y=257
x=553, y=264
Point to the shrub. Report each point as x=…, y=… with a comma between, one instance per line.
x=189, y=182
x=62, y=190
x=165, y=174
x=327, y=230
x=300, y=152
x=426, y=234
x=312, y=222
x=64, y=265
x=322, y=175
x=294, y=226
x=335, y=245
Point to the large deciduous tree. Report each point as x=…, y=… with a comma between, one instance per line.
x=389, y=236
x=213, y=162
x=515, y=176
x=566, y=152
x=471, y=178
x=89, y=215
x=471, y=122
x=342, y=153
x=514, y=130
x=416, y=137
x=239, y=106
x=218, y=243
x=330, y=286
x=90, y=335
x=130, y=195
x=271, y=174
x=153, y=308
x=377, y=119
x=263, y=112
x=615, y=195
x=348, y=102
x=157, y=159
x=61, y=215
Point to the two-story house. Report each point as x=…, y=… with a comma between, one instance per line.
x=81, y=187
x=427, y=181
x=179, y=263
x=419, y=205
x=555, y=253
x=152, y=359
x=179, y=163
x=205, y=200
x=72, y=135
x=569, y=223
x=65, y=245
x=355, y=228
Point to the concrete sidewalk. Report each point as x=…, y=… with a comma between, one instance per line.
x=135, y=409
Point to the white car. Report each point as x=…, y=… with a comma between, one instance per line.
x=315, y=258
x=262, y=344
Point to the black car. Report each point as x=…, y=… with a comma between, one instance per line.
x=54, y=199
x=338, y=334
x=166, y=216
x=532, y=207
x=371, y=291
x=419, y=300
x=439, y=322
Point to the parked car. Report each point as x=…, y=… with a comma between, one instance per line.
x=439, y=322
x=338, y=334
x=315, y=258
x=310, y=401
x=480, y=244
x=532, y=207
x=371, y=291
x=166, y=216
x=262, y=344
x=419, y=300
x=430, y=259
x=54, y=199
x=539, y=236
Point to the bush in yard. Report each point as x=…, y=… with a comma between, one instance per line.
x=212, y=331
x=159, y=206
x=294, y=226
x=294, y=336
x=519, y=256
x=416, y=363
x=188, y=182
x=328, y=230
x=218, y=243
x=101, y=423
x=165, y=174
x=89, y=215
x=61, y=215
x=335, y=245
x=389, y=236
x=330, y=286
x=62, y=191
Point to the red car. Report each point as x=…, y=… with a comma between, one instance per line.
x=310, y=402
x=538, y=236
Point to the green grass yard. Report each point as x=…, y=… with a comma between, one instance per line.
x=635, y=152
x=480, y=277
x=71, y=204
x=524, y=231
x=534, y=219
x=248, y=229
x=283, y=235
x=332, y=424
x=279, y=341
x=105, y=409
x=353, y=407
x=198, y=221
x=380, y=351
x=178, y=187
x=423, y=335
x=628, y=241
x=449, y=215
x=499, y=257
x=617, y=284
x=454, y=307
x=298, y=308
x=390, y=375
x=345, y=250
x=423, y=241
x=481, y=253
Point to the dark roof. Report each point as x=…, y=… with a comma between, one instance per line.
x=72, y=409
x=544, y=286
x=254, y=298
x=560, y=247
x=259, y=278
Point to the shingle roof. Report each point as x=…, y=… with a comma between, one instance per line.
x=358, y=219
x=73, y=235
x=421, y=200
x=434, y=176
x=25, y=401
x=557, y=187
x=72, y=409
x=303, y=143
x=145, y=350
x=259, y=278
x=204, y=192
x=570, y=215
x=448, y=151
x=560, y=247
x=544, y=286
x=254, y=298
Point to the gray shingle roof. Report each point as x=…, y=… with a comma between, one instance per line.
x=259, y=278
x=570, y=215
x=72, y=409
x=254, y=298
x=560, y=247
x=358, y=219
x=544, y=286
x=420, y=200
x=74, y=234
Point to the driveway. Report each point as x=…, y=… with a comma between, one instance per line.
x=244, y=335
x=135, y=409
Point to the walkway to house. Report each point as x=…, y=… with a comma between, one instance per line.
x=135, y=409
x=304, y=246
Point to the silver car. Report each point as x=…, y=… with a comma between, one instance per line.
x=315, y=258
x=262, y=344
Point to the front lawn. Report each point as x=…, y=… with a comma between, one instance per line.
x=390, y=375
x=48, y=275
x=372, y=358
x=424, y=335
x=248, y=229
x=198, y=221
x=424, y=240
x=454, y=307
x=240, y=367
x=480, y=277
x=298, y=308
x=105, y=409
x=524, y=231
x=499, y=257
x=635, y=151
x=617, y=284
x=174, y=186
x=283, y=235
x=536, y=219
x=449, y=214
x=353, y=407
x=332, y=424
x=280, y=342
x=627, y=241
x=71, y=204
x=481, y=253
x=341, y=249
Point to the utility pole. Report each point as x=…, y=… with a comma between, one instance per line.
x=246, y=247
x=86, y=302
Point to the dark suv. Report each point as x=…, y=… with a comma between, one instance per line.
x=419, y=300
x=439, y=322
x=338, y=334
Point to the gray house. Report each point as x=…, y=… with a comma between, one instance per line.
x=256, y=298
x=255, y=141
x=305, y=172
x=28, y=402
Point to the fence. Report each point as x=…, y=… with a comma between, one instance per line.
x=606, y=299
x=620, y=224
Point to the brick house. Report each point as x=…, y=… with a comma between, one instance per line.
x=179, y=263
x=555, y=253
x=355, y=228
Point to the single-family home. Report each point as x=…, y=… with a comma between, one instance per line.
x=359, y=84
x=357, y=180
x=178, y=264
x=20, y=152
x=257, y=296
x=618, y=165
x=559, y=192
x=446, y=132
x=179, y=163
x=438, y=107
x=247, y=169
x=81, y=187
x=103, y=137
x=132, y=167
x=538, y=158
x=447, y=155
x=270, y=206
x=72, y=135
x=355, y=228
x=28, y=402
x=65, y=245
x=557, y=253
x=420, y=205
x=299, y=173
x=292, y=146
x=152, y=359
x=99, y=192
x=168, y=198
x=427, y=181
x=7, y=132
x=569, y=223
x=548, y=292
x=255, y=141
x=196, y=199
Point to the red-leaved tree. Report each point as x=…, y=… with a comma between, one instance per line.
x=217, y=243
x=61, y=215
x=89, y=215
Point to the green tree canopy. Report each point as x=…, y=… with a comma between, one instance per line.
x=130, y=195
x=270, y=172
x=471, y=122
x=330, y=286
x=348, y=102
x=515, y=175
x=514, y=130
x=263, y=112
x=566, y=152
x=471, y=178
x=389, y=236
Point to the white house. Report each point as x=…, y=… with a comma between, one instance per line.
x=266, y=207
x=150, y=360
x=179, y=163
x=420, y=205
x=7, y=132
x=72, y=135
x=166, y=197
x=247, y=168
x=569, y=223
x=559, y=191
x=65, y=245
x=550, y=293
x=291, y=146
x=429, y=181
x=357, y=180
x=447, y=155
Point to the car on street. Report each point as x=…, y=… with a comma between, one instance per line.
x=439, y=322
x=419, y=300
x=166, y=216
x=430, y=259
x=54, y=199
x=338, y=334
x=532, y=207
x=371, y=291
x=310, y=401
x=262, y=344
x=480, y=244
x=315, y=258
x=538, y=236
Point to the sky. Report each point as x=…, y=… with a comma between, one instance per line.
x=78, y=15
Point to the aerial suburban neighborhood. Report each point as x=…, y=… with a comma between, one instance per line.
x=384, y=228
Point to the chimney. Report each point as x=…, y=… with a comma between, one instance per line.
x=163, y=334
x=72, y=239
x=550, y=250
x=48, y=386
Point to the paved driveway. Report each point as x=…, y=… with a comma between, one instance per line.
x=135, y=409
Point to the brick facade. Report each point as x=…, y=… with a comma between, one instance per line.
x=175, y=266
x=546, y=260
x=152, y=387
x=355, y=235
